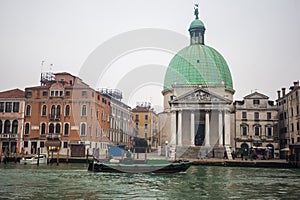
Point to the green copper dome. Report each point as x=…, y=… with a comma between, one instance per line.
x=196, y=24
x=198, y=64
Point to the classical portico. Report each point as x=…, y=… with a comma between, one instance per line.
x=198, y=93
x=200, y=118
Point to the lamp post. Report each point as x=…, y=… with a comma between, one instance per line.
x=167, y=152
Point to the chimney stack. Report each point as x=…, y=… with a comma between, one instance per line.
x=296, y=83
x=283, y=92
x=278, y=94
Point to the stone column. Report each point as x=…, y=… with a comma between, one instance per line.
x=173, y=128
x=207, y=129
x=227, y=128
x=220, y=128
x=192, y=139
x=179, y=132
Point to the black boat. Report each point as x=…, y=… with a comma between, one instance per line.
x=138, y=166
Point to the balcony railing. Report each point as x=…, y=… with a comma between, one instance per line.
x=52, y=136
x=8, y=135
x=54, y=117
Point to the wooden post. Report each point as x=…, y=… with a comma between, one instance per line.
x=0, y=155
x=87, y=156
x=48, y=157
x=38, y=153
x=67, y=156
x=57, y=160
x=51, y=156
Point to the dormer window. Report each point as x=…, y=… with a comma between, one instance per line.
x=256, y=101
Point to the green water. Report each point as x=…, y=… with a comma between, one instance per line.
x=72, y=181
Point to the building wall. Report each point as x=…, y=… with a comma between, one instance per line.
x=88, y=119
x=289, y=116
x=257, y=127
x=10, y=136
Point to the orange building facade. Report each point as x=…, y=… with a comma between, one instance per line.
x=12, y=103
x=66, y=110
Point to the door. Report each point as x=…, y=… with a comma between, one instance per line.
x=33, y=147
x=200, y=134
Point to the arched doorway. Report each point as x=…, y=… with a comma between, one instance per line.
x=270, y=151
x=245, y=150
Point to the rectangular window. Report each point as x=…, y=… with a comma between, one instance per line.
x=244, y=130
x=256, y=131
x=269, y=131
x=292, y=127
x=244, y=115
x=136, y=117
x=298, y=126
x=84, y=93
x=25, y=144
x=45, y=93
x=136, y=125
x=298, y=139
x=68, y=93
x=146, y=117
x=256, y=115
x=65, y=145
x=146, y=135
x=8, y=106
x=256, y=101
x=16, y=106
x=269, y=115
x=146, y=126
x=28, y=94
x=42, y=144
x=1, y=106
x=52, y=94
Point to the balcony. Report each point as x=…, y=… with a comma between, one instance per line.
x=55, y=117
x=53, y=136
x=8, y=135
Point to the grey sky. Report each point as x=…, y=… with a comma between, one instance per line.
x=259, y=39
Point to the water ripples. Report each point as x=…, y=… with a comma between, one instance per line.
x=73, y=181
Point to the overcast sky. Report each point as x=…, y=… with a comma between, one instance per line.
x=258, y=39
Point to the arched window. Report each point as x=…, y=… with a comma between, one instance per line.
x=6, y=126
x=67, y=110
x=66, y=129
x=52, y=111
x=27, y=128
x=1, y=126
x=44, y=110
x=83, y=110
x=28, y=110
x=58, y=111
x=43, y=129
x=15, y=127
x=257, y=130
x=244, y=129
x=57, y=128
x=51, y=128
x=83, y=129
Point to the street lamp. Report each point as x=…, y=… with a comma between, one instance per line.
x=167, y=152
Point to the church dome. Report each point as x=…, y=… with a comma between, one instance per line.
x=198, y=64
x=196, y=24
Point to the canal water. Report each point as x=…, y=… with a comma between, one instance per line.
x=73, y=181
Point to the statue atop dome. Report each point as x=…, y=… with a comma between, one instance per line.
x=196, y=12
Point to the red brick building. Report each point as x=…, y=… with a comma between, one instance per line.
x=67, y=110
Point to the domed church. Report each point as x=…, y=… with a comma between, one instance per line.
x=198, y=93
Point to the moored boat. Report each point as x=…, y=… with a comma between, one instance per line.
x=33, y=159
x=138, y=166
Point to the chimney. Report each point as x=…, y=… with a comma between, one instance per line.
x=296, y=83
x=278, y=94
x=283, y=92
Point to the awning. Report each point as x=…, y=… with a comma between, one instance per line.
x=285, y=149
x=53, y=143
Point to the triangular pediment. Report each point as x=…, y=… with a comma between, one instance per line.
x=200, y=95
x=256, y=95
